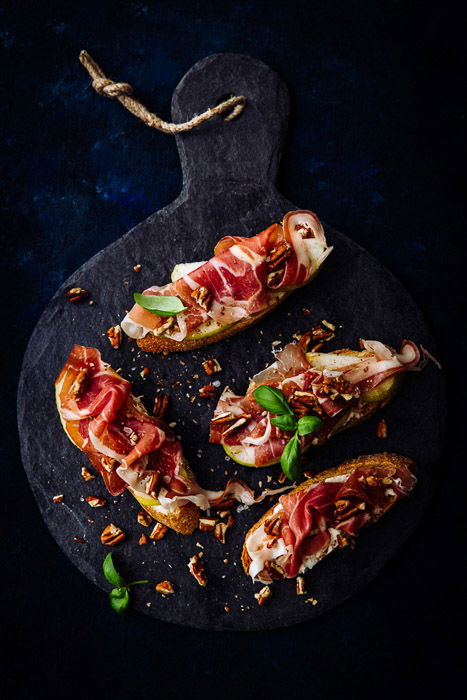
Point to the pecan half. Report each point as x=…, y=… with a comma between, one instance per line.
x=77, y=294
x=164, y=587
x=144, y=518
x=76, y=390
x=114, y=334
x=112, y=535
x=158, y=532
x=264, y=595
x=275, y=277
x=196, y=569
x=212, y=365
x=203, y=297
x=161, y=405
x=208, y=391
x=96, y=501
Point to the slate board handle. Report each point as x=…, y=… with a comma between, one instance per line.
x=246, y=150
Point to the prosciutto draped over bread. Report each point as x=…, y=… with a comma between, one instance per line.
x=341, y=388
x=130, y=448
x=245, y=278
x=323, y=514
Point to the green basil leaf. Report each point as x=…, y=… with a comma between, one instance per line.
x=308, y=424
x=286, y=422
x=111, y=573
x=120, y=599
x=162, y=306
x=272, y=399
x=290, y=458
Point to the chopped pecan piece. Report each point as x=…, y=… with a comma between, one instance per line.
x=319, y=333
x=145, y=372
x=273, y=527
x=95, y=501
x=165, y=326
x=196, y=569
x=203, y=297
x=58, y=498
x=137, y=267
x=281, y=478
x=346, y=509
x=220, y=531
x=240, y=420
x=264, y=595
x=109, y=463
x=207, y=524
x=300, y=585
x=208, y=391
x=305, y=402
x=164, y=587
x=224, y=417
x=211, y=366
x=151, y=484
x=76, y=390
x=337, y=386
x=274, y=570
x=87, y=476
x=161, y=404
x=114, y=334
x=278, y=256
x=382, y=429
x=143, y=539
x=144, y=518
x=158, y=532
x=77, y=294
x=328, y=324
x=112, y=535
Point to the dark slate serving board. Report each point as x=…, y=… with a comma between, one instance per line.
x=229, y=173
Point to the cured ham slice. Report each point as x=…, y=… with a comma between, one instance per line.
x=323, y=514
x=340, y=388
x=131, y=449
x=244, y=278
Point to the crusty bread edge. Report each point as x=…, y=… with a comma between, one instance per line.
x=383, y=460
x=157, y=343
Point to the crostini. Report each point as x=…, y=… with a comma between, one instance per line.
x=325, y=513
x=340, y=388
x=245, y=280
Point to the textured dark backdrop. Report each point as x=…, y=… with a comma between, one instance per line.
x=375, y=146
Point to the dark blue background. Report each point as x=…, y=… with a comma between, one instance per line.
x=375, y=147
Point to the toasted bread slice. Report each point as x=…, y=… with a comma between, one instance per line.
x=384, y=460
x=160, y=343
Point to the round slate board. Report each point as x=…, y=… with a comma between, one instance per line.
x=229, y=173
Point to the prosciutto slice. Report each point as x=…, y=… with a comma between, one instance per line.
x=309, y=516
x=124, y=443
x=335, y=387
x=238, y=278
x=311, y=522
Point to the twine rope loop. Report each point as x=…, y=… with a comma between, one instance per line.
x=123, y=92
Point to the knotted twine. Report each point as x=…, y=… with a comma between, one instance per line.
x=123, y=92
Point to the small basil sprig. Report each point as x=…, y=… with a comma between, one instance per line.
x=120, y=595
x=274, y=401
x=162, y=306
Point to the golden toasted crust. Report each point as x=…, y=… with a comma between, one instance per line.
x=156, y=343
x=183, y=520
x=384, y=460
